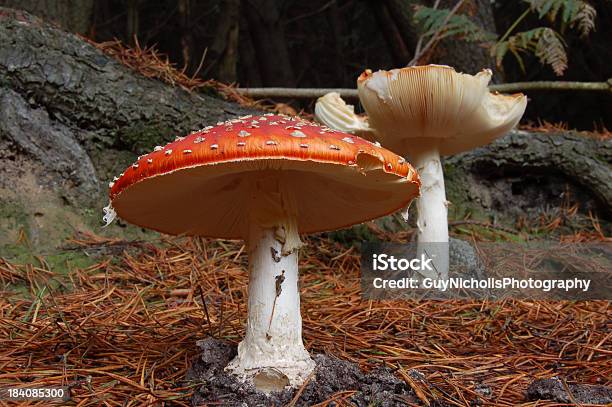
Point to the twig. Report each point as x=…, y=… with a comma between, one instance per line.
x=301, y=390
x=312, y=93
x=206, y=311
x=279, y=289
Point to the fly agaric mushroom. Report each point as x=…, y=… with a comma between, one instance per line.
x=423, y=112
x=264, y=179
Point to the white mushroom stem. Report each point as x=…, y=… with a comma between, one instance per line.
x=273, y=337
x=432, y=221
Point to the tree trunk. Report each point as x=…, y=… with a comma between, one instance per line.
x=392, y=34
x=80, y=114
x=72, y=15
x=265, y=27
x=249, y=68
x=184, y=11
x=132, y=26
x=401, y=12
x=224, y=50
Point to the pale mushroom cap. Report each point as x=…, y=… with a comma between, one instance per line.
x=200, y=184
x=413, y=106
x=332, y=111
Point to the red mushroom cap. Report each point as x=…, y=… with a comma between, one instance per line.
x=196, y=185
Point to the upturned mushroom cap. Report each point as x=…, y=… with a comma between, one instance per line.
x=200, y=184
x=412, y=106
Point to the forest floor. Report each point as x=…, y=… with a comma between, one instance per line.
x=122, y=330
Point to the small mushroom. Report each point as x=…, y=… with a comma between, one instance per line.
x=266, y=196
x=421, y=113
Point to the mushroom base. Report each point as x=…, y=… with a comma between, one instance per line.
x=272, y=354
x=432, y=207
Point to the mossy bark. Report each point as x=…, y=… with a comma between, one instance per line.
x=87, y=99
x=71, y=117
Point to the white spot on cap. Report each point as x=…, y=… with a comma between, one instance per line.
x=110, y=184
x=220, y=123
x=271, y=143
x=187, y=151
x=115, y=179
x=269, y=114
x=262, y=119
x=389, y=166
x=333, y=147
x=241, y=144
x=168, y=152
x=214, y=146
x=198, y=140
x=150, y=161
x=248, y=116
x=304, y=145
x=401, y=160
x=179, y=138
x=135, y=165
x=297, y=133
x=243, y=133
x=377, y=144
x=348, y=140
x=158, y=148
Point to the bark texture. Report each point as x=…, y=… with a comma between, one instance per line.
x=72, y=15
x=65, y=103
x=522, y=166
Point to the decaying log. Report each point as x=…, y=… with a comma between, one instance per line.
x=64, y=102
x=578, y=160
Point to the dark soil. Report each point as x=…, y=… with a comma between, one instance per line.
x=379, y=387
x=555, y=389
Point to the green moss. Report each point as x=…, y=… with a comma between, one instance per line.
x=140, y=138
x=353, y=236
x=60, y=262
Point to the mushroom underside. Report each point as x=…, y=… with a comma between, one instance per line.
x=210, y=200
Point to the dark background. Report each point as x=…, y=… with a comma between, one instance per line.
x=323, y=43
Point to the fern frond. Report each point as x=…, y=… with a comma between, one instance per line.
x=573, y=12
x=545, y=43
x=550, y=49
x=584, y=19
x=432, y=20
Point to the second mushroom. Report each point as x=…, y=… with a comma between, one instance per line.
x=422, y=113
